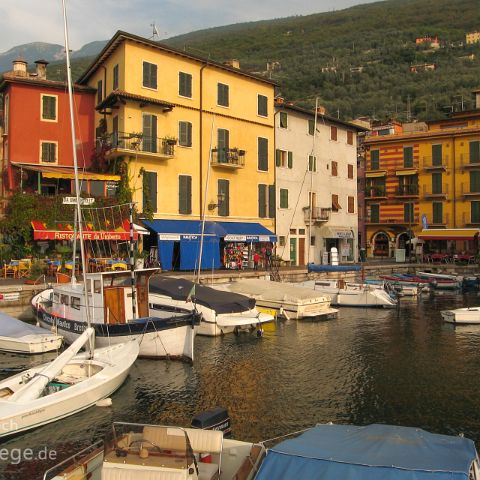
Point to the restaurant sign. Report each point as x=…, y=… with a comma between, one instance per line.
x=87, y=235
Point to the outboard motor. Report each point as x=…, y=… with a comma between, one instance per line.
x=215, y=419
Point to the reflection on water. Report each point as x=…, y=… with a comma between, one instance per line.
x=402, y=366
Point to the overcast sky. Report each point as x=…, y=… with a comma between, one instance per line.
x=26, y=21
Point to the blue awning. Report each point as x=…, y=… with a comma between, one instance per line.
x=373, y=452
x=246, y=232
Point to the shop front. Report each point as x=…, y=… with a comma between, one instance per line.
x=341, y=238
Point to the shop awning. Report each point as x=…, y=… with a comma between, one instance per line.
x=407, y=171
x=337, y=232
x=66, y=172
x=449, y=234
x=246, y=232
x=66, y=232
x=375, y=174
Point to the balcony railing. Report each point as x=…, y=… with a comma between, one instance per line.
x=440, y=193
x=391, y=221
x=429, y=163
x=119, y=143
x=375, y=192
x=467, y=163
x=317, y=214
x=467, y=191
x=406, y=191
x=468, y=219
x=228, y=157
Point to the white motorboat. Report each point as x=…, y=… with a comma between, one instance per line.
x=20, y=337
x=161, y=334
x=401, y=289
x=348, y=294
x=143, y=452
x=467, y=315
x=221, y=312
x=289, y=299
x=69, y=384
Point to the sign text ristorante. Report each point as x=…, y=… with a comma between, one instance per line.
x=87, y=235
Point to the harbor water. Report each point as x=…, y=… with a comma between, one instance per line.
x=402, y=366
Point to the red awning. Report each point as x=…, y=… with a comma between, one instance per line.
x=40, y=232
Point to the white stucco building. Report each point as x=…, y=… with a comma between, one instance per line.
x=316, y=185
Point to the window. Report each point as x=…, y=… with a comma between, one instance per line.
x=223, y=145
x=49, y=107
x=64, y=300
x=437, y=182
x=350, y=170
x=149, y=191
x=283, y=158
x=312, y=241
x=312, y=163
x=311, y=127
x=75, y=303
x=375, y=159
x=437, y=217
x=408, y=212
x=271, y=201
x=263, y=154
x=474, y=182
x=334, y=168
x=262, y=106
x=262, y=201
x=475, y=152
x=224, y=205
x=99, y=91
x=48, y=152
x=349, y=137
x=333, y=133
x=149, y=143
x=301, y=231
x=97, y=188
x=222, y=95
x=115, y=78
x=149, y=75
x=281, y=241
x=475, y=211
x=351, y=204
x=185, y=194
x=283, y=198
x=436, y=154
x=185, y=84
x=283, y=120
x=375, y=213
x=335, y=205
x=185, y=134
x=408, y=157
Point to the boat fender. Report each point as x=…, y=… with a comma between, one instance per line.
x=105, y=402
x=206, y=458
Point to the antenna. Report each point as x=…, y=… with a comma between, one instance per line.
x=154, y=32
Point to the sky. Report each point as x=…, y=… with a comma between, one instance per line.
x=26, y=21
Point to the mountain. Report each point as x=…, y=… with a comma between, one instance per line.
x=90, y=49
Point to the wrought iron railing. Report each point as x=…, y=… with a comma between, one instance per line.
x=228, y=156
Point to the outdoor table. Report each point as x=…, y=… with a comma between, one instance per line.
x=464, y=258
x=440, y=257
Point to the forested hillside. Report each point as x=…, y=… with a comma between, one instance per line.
x=357, y=61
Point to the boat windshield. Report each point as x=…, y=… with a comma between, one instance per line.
x=155, y=446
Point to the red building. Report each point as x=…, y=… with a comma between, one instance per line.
x=37, y=153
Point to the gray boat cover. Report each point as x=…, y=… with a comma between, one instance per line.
x=220, y=301
x=13, y=328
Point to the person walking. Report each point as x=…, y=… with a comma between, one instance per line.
x=256, y=260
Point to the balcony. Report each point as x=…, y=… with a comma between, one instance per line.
x=436, y=194
x=121, y=143
x=316, y=214
x=470, y=221
x=430, y=164
x=392, y=222
x=228, y=157
x=407, y=191
x=466, y=191
x=467, y=164
x=375, y=193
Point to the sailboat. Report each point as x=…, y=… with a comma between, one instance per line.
x=73, y=381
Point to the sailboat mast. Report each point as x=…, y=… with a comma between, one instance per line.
x=310, y=194
x=75, y=162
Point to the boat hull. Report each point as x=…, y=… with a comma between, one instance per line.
x=115, y=363
x=468, y=316
x=30, y=347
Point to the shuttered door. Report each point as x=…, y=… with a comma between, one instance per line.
x=223, y=145
x=149, y=133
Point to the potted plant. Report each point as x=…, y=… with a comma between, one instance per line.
x=170, y=140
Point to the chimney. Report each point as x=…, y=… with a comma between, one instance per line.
x=233, y=63
x=20, y=67
x=41, y=69
x=321, y=110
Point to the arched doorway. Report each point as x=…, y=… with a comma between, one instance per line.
x=381, y=245
x=402, y=240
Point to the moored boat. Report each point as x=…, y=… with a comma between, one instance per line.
x=221, y=312
x=467, y=315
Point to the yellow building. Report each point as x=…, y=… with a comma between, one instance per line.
x=425, y=184
x=196, y=136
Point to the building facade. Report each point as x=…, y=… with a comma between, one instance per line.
x=425, y=185
x=316, y=185
x=196, y=138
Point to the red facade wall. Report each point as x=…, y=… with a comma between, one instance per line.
x=26, y=129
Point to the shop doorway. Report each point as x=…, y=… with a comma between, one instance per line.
x=293, y=251
x=380, y=245
x=176, y=256
x=301, y=251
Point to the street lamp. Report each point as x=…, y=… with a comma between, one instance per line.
x=220, y=200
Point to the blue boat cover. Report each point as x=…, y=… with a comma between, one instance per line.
x=313, y=267
x=373, y=452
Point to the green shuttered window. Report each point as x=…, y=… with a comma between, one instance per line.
x=185, y=194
